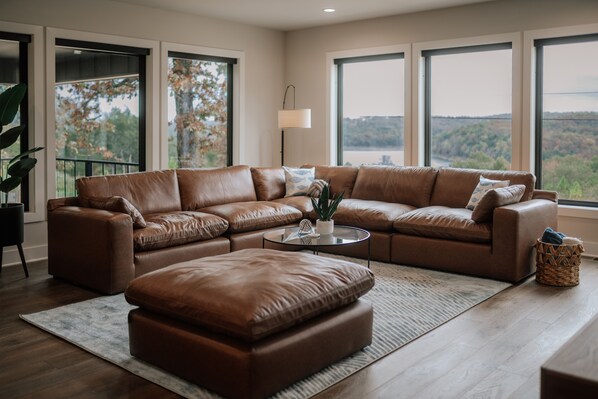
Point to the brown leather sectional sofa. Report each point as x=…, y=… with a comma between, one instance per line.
x=416, y=216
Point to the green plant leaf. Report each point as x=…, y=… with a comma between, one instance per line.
x=316, y=207
x=10, y=184
x=324, y=207
x=334, y=204
x=9, y=102
x=10, y=136
x=21, y=167
x=24, y=154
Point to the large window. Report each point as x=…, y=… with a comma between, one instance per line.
x=467, y=118
x=13, y=70
x=567, y=118
x=100, y=111
x=371, y=109
x=200, y=110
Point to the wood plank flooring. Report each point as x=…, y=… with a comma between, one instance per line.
x=491, y=351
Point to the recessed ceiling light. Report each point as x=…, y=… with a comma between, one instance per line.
x=329, y=10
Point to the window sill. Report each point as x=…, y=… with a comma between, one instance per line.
x=584, y=212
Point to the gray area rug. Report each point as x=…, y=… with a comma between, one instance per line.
x=408, y=302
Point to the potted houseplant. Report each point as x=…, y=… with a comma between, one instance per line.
x=12, y=174
x=325, y=209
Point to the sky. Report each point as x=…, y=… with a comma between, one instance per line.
x=475, y=84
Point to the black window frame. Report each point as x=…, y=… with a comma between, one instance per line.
x=539, y=105
x=24, y=40
x=142, y=54
x=339, y=62
x=231, y=62
x=426, y=55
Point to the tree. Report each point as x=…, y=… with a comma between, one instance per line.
x=199, y=89
x=479, y=160
x=79, y=116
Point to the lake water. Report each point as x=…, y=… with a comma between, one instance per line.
x=383, y=157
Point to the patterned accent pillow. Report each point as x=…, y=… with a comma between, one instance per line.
x=119, y=204
x=316, y=188
x=298, y=180
x=483, y=186
x=494, y=198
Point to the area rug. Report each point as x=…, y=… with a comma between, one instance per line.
x=408, y=302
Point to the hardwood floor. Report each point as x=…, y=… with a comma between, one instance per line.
x=491, y=351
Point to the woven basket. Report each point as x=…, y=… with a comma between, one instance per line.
x=558, y=265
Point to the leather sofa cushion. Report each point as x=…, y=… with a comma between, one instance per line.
x=340, y=178
x=254, y=215
x=445, y=223
x=400, y=185
x=176, y=228
x=301, y=202
x=206, y=187
x=369, y=215
x=149, y=192
x=454, y=186
x=269, y=183
x=252, y=293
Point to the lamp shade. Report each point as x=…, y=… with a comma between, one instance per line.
x=294, y=118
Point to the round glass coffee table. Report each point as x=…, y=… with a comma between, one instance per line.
x=342, y=235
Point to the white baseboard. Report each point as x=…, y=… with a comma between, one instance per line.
x=10, y=257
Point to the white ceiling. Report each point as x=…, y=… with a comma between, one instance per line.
x=297, y=14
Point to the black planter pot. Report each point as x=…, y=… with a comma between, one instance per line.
x=12, y=230
x=12, y=224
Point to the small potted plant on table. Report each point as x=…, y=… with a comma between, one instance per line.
x=325, y=209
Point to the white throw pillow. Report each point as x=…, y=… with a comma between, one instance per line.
x=298, y=180
x=483, y=186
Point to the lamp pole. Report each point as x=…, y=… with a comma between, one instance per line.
x=284, y=101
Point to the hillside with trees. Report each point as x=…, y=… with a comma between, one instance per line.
x=570, y=150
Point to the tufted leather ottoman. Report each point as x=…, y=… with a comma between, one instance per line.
x=249, y=323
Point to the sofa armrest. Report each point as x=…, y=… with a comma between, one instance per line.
x=56, y=203
x=515, y=230
x=545, y=194
x=91, y=247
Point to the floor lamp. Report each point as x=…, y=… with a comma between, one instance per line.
x=291, y=118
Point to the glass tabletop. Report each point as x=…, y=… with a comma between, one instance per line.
x=341, y=235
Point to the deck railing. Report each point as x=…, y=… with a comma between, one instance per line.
x=69, y=169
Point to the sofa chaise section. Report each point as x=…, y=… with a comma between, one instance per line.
x=443, y=236
x=101, y=249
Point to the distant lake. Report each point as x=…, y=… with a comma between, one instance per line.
x=382, y=157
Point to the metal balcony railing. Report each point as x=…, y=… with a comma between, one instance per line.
x=70, y=169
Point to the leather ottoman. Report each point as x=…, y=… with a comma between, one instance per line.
x=249, y=323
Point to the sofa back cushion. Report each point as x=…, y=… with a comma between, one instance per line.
x=269, y=183
x=340, y=178
x=401, y=185
x=206, y=187
x=454, y=186
x=149, y=192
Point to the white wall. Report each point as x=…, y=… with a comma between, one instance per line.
x=307, y=68
x=263, y=55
